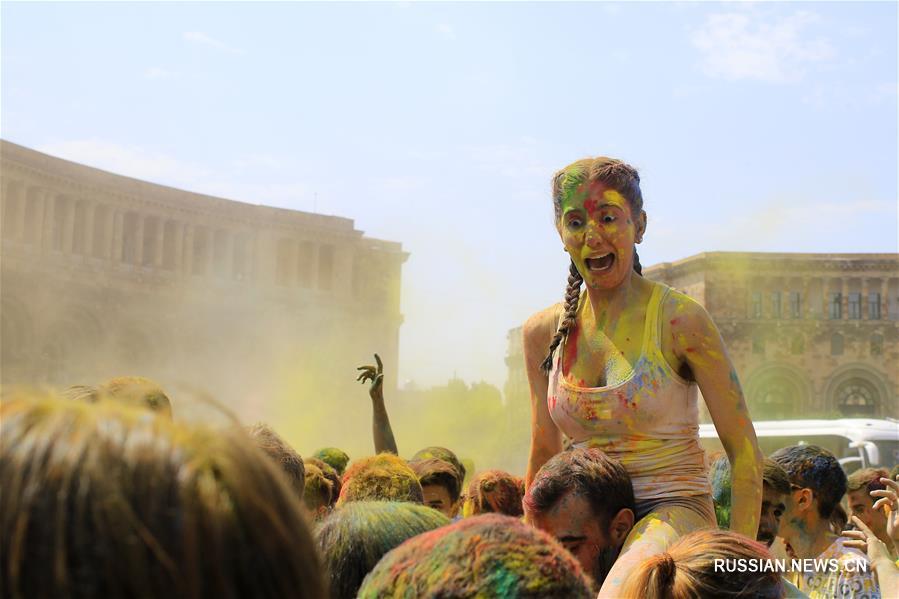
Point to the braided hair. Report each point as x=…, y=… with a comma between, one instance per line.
x=618, y=175
x=572, y=295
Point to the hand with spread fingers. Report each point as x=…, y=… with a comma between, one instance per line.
x=878, y=554
x=865, y=540
x=375, y=374
x=888, y=501
x=381, y=429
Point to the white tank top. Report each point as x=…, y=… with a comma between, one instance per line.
x=650, y=421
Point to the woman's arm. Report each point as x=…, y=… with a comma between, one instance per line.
x=698, y=344
x=381, y=429
x=546, y=440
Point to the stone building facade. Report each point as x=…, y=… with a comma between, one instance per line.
x=810, y=335
x=105, y=275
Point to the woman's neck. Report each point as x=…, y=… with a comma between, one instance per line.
x=606, y=305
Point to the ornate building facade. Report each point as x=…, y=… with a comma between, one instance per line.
x=810, y=335
x=105, y=275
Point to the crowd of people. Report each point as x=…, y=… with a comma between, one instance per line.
x=106, y=493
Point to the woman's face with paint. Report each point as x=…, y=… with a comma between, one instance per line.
x=599, y=230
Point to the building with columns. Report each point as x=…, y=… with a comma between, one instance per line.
x=810, y=335
x=105, y=275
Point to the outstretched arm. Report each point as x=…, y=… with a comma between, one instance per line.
x=546, y=440
x=698, y=344
x=381, y=430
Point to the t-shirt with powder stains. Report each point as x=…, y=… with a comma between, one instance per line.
x=853, y=579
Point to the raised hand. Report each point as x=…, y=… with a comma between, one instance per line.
x=888, y=501
x=375, y=374
x=865, y=540
x=381, y=431
x=877, y=551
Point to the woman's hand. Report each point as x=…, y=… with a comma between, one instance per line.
x=375, y=374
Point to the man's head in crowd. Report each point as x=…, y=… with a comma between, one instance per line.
x=720, y=479
x=137, y=391
x=329, y=473
x=484, y=556
x=100, y=500
x=440, y=484
x=354, y=537
x=690, y=569
x=817, y=484
x=585, y=500
x=333, y=457
x=384, y=477
x=775, y=491
x=318, y=492
x=288, y=460
x=493, y=491
x=858, y=494
x=442, y=453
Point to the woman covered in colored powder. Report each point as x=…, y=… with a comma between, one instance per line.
x=617, y=367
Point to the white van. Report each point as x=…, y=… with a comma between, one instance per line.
x=857, y=442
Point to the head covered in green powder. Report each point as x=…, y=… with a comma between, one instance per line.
x=384, y=477
x=444, y=454
x=355, y=536
x=493, y=491
x=333, y=457
x=485, y=556
x=720, y=479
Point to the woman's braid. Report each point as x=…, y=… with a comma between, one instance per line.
x=572, y=295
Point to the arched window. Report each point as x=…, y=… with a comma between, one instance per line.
x=776, y=399
x=836, y=345
x=857, y=398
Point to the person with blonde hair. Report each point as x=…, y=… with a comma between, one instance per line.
x=105, y=500
x=619, y=366
x=706, y=564
x=384, y=477
x=493, y=492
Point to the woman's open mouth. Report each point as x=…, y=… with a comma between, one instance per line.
x=600, y=263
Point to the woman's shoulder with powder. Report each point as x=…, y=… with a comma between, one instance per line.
x=541, y=326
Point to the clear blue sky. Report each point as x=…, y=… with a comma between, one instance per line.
x=762, y=127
